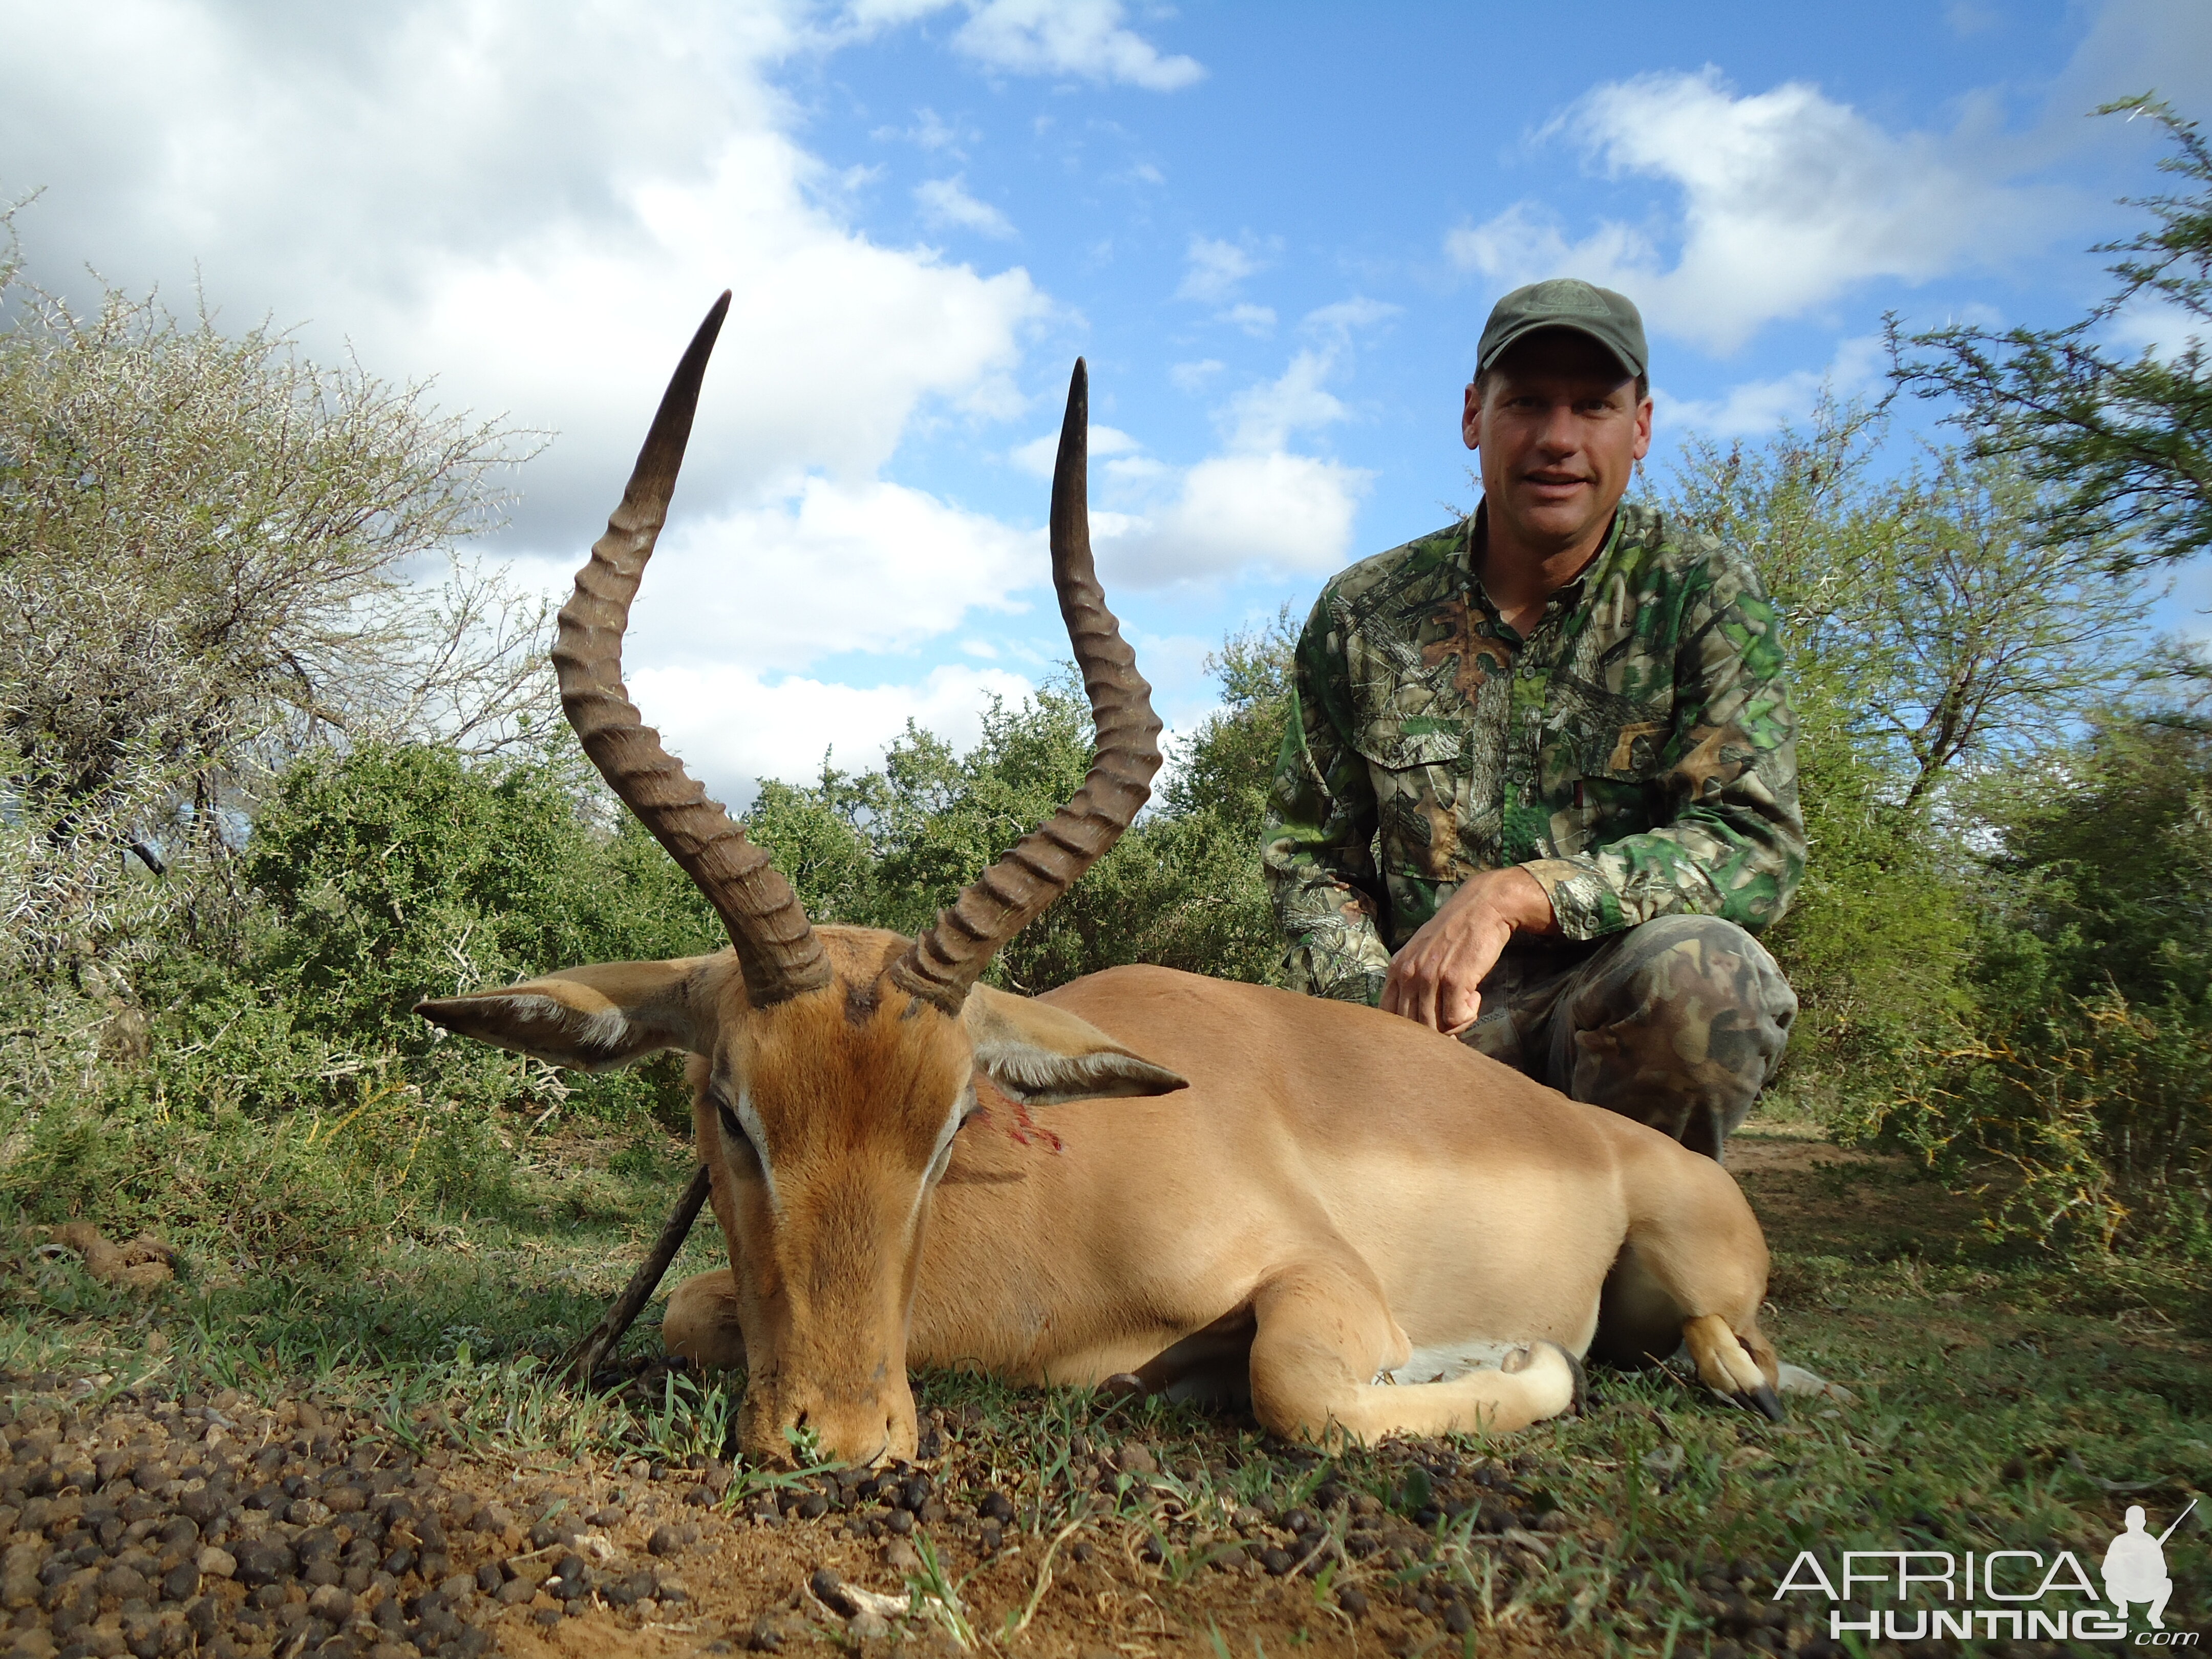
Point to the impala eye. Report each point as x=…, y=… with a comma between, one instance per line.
x=966, y=1110
x=739, y=1145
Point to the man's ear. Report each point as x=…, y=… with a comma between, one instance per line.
x=593, y=1019
x=1042, y=1055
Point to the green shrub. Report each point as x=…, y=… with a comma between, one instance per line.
x=398, y=872
x=2096, y=1114
x=1879, y=939
x=890, y=848
x=2083, y=1068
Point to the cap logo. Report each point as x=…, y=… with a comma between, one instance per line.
x=1565, y=294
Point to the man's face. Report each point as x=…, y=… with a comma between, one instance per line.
x=1559, y=430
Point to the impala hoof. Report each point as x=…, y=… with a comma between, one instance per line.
x=1123, y=1385
x=1763, y=1400
x=1581, y=1384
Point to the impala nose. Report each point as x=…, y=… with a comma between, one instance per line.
x=861, y=1433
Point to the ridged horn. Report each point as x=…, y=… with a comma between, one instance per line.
x=940, y=965
x=775, y=944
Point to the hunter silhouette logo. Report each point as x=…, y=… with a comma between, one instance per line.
x=2135, y=1567
x=1926, y=1595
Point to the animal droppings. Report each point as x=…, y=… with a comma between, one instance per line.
x=128, y=1528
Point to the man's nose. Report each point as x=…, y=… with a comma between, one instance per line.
x=1558, y=435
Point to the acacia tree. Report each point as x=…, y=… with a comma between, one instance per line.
x=206, y=548
x=1931, y=630
x=1930, y=621
x=2123, y=444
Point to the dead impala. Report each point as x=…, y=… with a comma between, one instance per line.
x=1358, y=1224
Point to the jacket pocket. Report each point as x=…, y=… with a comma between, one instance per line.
x=1630, y=752
x=1417, y=787
x=1399, y=751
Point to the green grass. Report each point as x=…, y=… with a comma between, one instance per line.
x=2002, y=1401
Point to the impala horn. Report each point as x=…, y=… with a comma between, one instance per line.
x=775, y=944
x=949, y=958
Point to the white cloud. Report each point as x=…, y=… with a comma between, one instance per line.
x=1754, y=408
x=734, y=608
x=1256, y=508
x=731, y=727
x=1259, y=507
x=1344, y=318
x=1070, y=37
x=874, y=567
x=2130, y=46
x=1036, y=456
x=1193, y=377
x=1788, y=200
x=1258, y=321
x=2157, y=326
x=1084, y=37
x=869, y=15
x=1971, y=17
x=1275, y=513
x=833, y=343
x=537, y=202
x=1183, y=691
x=534, y=202
x=1261, y=418
x=946, y=205
x=1216, y=269
x=931, y=132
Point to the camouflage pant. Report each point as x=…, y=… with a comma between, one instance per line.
x=1677, y=1024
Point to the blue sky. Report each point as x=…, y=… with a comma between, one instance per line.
x=1273, y=231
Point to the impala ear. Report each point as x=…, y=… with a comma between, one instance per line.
x=1042, y=1055
x=593, y=1019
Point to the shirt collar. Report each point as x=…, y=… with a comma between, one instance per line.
x=1562, y=600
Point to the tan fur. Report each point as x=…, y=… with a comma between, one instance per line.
x=1337, y=1192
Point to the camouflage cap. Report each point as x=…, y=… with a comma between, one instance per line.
x=1608, y=317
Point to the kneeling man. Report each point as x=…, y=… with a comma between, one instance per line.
x=1540, y=785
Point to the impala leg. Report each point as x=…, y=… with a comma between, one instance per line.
x=1324, y=1332
x=701, y=1323
x=1692, y=1273
x=1213, y=1365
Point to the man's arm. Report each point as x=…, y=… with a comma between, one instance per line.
x=1734, y=845
x=1315, y=853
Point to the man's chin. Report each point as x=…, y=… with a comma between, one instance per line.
x=1559, y=523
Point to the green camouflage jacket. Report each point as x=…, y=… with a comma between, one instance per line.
x=1636, y=753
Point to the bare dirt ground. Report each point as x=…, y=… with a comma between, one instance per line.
x=1815, y=1198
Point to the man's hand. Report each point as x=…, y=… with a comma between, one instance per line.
x=1435, y=980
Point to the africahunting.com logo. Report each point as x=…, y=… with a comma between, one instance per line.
x=2019, y=1595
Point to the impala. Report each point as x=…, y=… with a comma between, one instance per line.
x=1356, y=1224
